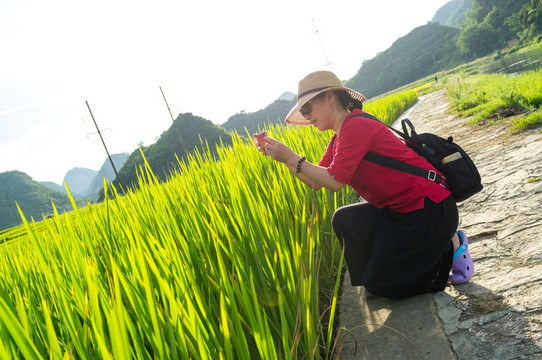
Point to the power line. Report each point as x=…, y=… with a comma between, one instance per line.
x=423, y=50
x=421, y=53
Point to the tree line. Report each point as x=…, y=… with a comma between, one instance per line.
x=492, y=24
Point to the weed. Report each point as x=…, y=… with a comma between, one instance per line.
x=487, y=303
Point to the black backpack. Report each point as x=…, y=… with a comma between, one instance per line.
x=461, y=176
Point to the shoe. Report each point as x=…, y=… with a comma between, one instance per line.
x=462, y=266
x=367, y=293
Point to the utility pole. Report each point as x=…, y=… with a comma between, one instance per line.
x=103, y=142
x=174, y=125
x=437, y=64
x=12, y=210
x=328, y=62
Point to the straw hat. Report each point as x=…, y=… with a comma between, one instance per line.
x=312, y=85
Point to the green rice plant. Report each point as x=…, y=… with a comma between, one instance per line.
x=12, y=233
x=231, y=258
x=221, y=261
x=389, y=108
x=426, y=88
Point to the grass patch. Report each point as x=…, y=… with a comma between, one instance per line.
x=495, y=97
x=532, y=120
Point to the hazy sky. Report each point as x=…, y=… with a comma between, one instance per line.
x=212, y=58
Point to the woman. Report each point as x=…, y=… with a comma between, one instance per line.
x=403, y=240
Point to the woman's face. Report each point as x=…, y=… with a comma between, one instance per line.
x=316, y=110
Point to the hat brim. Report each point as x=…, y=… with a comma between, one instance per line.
x=294, y=117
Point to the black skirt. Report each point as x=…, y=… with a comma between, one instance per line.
x=398, y=255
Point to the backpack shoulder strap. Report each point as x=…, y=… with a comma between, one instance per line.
x=397, y=164
x=363, y=115
x=404, y=135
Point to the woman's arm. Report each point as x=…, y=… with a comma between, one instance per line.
x=317, y=177
x=312, y=175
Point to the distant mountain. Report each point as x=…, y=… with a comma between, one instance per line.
x=86, y=183
x=287, y=96
x=54, y=186
x=34, y=199
x=162, y=156
x=106, y=172
x=424, y=51
x=272, y=114
x=453, y=13
x=78, y=181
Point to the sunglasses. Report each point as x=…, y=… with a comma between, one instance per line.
x=306, y=109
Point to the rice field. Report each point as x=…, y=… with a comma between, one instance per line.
x=231, y=258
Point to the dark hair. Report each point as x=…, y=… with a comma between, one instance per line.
x=347, y=101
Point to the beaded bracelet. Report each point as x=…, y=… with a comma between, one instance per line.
x=299, y=162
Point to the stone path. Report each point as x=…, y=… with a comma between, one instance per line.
x=498, y=314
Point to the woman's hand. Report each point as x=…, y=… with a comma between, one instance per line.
x=312, y=175
x=280, y=152
x=261, y=141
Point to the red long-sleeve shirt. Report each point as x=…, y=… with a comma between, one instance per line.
x=379, y=185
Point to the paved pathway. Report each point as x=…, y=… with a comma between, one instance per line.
x=498, y=314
